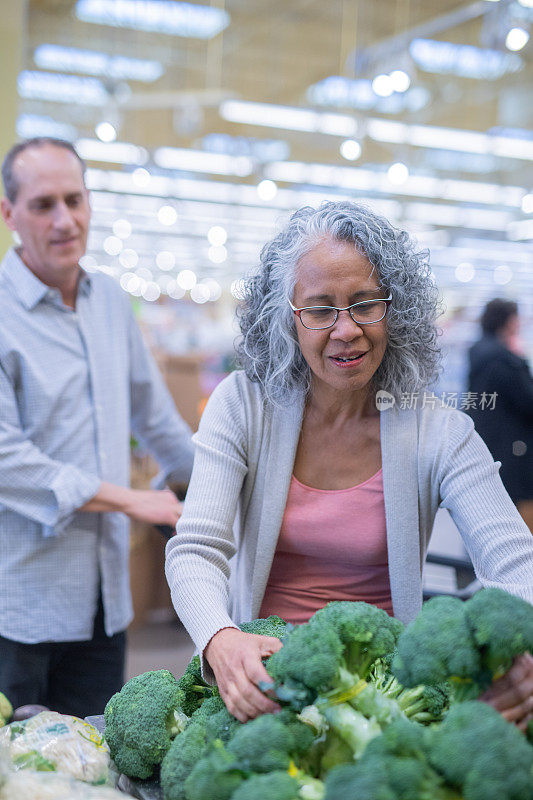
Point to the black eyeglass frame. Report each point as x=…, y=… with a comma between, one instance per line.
x=386, y=300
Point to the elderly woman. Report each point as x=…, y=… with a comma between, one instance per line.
x=302, y=490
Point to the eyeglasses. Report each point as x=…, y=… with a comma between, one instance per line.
x=366, y=312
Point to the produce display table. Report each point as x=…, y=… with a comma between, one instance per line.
x=143, y=790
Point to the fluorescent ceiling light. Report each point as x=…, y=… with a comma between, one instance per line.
x=467, y=61
x=290, y=118
x=260, y=149
x=61, y=88
x=516, y=39
x=415, y=185
x=156, y=16
x=383, y=130
x=92, y=62
x=114, y=152
x=199, y=161
x=30, y=125
x=339, y=91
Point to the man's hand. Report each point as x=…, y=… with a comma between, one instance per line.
x=512, y=694
x=145, y=505
x=235, y=658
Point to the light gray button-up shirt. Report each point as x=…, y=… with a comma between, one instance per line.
x=73, y=385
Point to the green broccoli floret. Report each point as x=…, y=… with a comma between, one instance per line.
x=266, y=743
x=423, y=704
x=271, y=626
x=6, y=710
x=195, y=689
x=469, y=644
x=216, y=775
x=275, y=786
x=184, y=753
x=333, y=652
x=481, y=755
x=141, y=720
x=502, y=627
x=529, y=731
x=393, y=767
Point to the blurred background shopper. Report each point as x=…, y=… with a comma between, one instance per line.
x=497, y=365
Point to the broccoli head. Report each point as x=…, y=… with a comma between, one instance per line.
x=216, y=776
x=184, y=753
x=438, y=645
x=195, y=689
x=271, y=626
x=481, y=755
x=141, y=721
x=275, y=786
x=469, y=644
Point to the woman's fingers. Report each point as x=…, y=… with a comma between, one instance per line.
x=235, y=658
x=512, y=694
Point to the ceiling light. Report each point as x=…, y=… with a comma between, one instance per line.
x=526, y=3
x=165, y=260
x=112, y=245
x=30, y=125
x=267, y=190
x=122, y=228
x=105, y=132
x=141, y=177
x=186, y=279
x=151, y=291
x=200, y=293
x=174, y=290
x=56, y=88
x=382, y=85
x=167, y=215
x=217, y=254
x=527, y=204
x=288, y=117
x=92, y=62
x=516, y=39
x=350, y=150
x=217, y=235
x=464, y=60
x=113, y=152
x=502, y=274
x=464, y=272
x=200, y=161
x=157, y=16
x=398, y=173
x=260, y=149
x=400, y=80
x=128, y=258
x=214, y=288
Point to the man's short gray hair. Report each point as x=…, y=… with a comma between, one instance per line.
x=9, y=180
x=269, y=351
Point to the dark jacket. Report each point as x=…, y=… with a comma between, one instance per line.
x=508, y=428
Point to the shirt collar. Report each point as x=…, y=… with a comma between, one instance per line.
x=27, y=286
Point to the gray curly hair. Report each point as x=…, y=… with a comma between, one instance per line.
x=269, y=351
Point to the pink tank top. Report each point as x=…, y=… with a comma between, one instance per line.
x=332, y=546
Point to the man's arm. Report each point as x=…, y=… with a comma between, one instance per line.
x=154, y=507
x=49, y=492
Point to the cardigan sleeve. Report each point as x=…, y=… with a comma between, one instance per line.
x=495, y=535
x=197, y=557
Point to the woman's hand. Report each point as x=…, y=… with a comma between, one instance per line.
x=235, y=658
x=512, y=694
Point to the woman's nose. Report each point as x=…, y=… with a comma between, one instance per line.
x=345, y=327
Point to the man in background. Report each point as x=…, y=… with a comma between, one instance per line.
x=76, y=380
x=497, y=365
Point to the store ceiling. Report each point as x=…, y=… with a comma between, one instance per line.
x=273, y=52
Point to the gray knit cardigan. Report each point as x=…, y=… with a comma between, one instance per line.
x=218, y=564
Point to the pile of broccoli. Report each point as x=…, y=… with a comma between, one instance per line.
x=370, y=710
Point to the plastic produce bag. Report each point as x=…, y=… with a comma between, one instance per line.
x=26, y=784
x=52, y=742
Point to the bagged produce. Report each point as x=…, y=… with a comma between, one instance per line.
x=28, y=784
x=52, y=742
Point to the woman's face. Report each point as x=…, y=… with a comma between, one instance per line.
x=334, y=273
